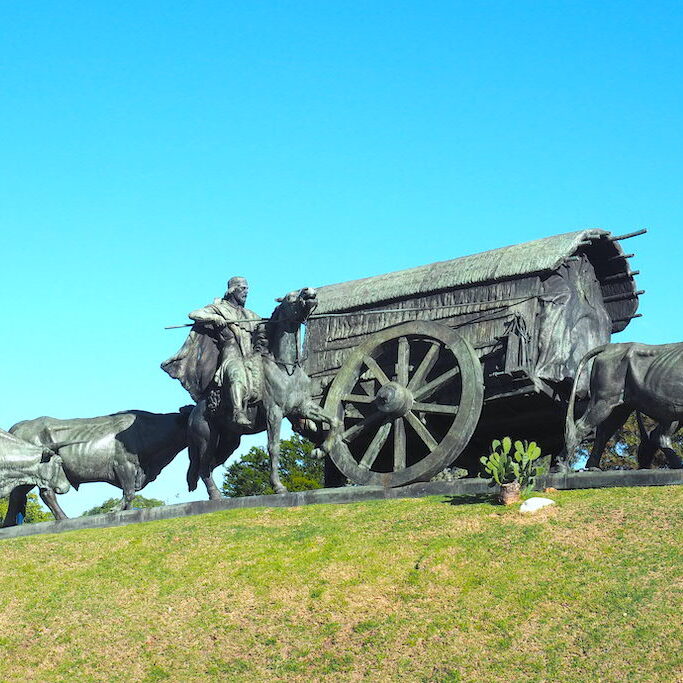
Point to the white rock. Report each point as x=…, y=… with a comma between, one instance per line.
x=533, y=504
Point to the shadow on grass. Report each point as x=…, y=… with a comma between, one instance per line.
x=470, y=499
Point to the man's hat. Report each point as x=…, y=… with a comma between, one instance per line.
x=233, y=283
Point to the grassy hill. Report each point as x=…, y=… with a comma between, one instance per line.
x=422, y=590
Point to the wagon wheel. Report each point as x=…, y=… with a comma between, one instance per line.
x=409, y=399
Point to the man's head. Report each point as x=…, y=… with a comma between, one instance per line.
x=237, y=290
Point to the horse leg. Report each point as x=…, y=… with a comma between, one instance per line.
x=198, y=436
x=16, y=505
x=312, y=411
x=202, y=441
x=315, y=412
x=49, y=497
x=274, y=424
x=228, y=443
x=604, y=432
x=208, y=464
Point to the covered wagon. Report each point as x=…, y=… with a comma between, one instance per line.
x=425, y=366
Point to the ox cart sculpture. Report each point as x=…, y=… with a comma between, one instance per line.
x=401, y=375
x=424, y=367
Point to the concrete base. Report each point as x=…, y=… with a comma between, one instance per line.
x=347, y=494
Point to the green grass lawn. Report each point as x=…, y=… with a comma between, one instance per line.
x=414, y=590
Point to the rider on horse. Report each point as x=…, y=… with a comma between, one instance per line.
x=214, y=354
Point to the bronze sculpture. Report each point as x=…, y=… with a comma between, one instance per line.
x=624, y=378
x=24, y=465
x=417, y=368
x=217, y=349
x=245, y=378
x=524, y=315
x=659, y=438
x=127, y=449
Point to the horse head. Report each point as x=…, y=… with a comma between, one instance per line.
x=283, y=327
x=296, y=306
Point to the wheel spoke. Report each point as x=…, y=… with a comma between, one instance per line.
x=358, y=398
x=439, y=408
x=421, y=430
x=425, y=366
x=352, y=432
x=426, y=390
x=403, y=361
x=399, y=444
x=351, y=411
x=374, y=368
x=375, y=446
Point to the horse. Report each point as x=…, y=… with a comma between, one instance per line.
x=280, y=389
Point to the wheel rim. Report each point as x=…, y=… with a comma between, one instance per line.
x=409, y=399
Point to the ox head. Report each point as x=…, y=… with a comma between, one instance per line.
x=23, y=464
x=52, y=472
x=297, y=306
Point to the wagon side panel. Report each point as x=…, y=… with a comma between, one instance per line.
x=486, y=315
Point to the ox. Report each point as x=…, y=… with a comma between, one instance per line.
x=624, y=378
x=24, y=465
x=127, y=449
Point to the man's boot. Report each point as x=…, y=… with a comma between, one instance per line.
x=239, y=415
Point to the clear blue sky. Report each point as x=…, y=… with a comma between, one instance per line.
x=152, y=149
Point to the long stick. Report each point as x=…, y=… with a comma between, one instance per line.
x=495, y=303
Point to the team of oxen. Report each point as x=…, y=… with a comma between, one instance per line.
x=129, y=449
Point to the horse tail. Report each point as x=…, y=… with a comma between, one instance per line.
x=192, y=475
x=570, y=426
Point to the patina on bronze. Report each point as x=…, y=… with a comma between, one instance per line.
x=627, y=377
x=245, y=377
x=386, y=387
x=24, y=465
x=525, y=316
x=127, y=450
x=216, y=349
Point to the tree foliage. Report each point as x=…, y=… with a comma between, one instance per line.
x=35, y=512
x=250, y=476
x=114, y=504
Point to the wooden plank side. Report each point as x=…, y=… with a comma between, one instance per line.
x=480, y=313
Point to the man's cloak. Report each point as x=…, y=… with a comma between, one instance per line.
x=195, y=363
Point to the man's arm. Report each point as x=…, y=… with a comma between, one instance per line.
x=206, y=315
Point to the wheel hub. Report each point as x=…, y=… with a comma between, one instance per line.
x=394, y=399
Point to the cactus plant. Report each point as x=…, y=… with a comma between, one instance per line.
x=512, y=471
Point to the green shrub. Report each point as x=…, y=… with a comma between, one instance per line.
x=504, y=466
x=35, y=512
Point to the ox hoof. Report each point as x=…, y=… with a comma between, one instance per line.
x=318, y=453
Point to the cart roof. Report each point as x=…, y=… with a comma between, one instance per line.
x=520, y=260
